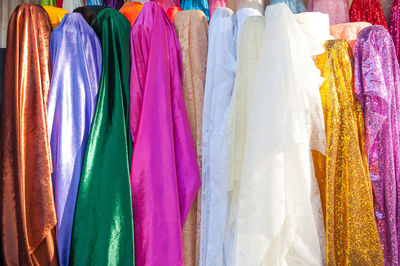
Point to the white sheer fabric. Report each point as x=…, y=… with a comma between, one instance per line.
x=70, y=5
x=278, y=219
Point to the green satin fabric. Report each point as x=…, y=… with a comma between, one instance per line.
x=48, y=2
x=103, y=225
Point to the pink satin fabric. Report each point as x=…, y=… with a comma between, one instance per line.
x=338, y=10
x=164, y=173
x=348, y=31
x=165, y=4
x=213, y=4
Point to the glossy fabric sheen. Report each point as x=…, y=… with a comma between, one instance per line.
x=351, y=233
x=376, y=86
x=165, y=4
x=163, y=187
x=49, y=2
x=192, y=30
x=76, y=57
x=27, y=210
x=94, y=2
x=296, y=6
x=56, y=15
x=367, y=11
x=172, y=12
x=338, y=10
x=131, y=11
x=70, y=5
x=117, y=4
x=103, y=226
x=348, y=31
x=89, y=12
x=196, y=5
x=394, y=27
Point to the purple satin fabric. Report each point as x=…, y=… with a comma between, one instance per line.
x=164, y=174
x=376, y=86
x=76, y=59
x=117, y=4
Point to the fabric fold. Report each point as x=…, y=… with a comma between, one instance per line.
x=348, y=31
x=296, y=6
x=337, y=10
x=367, y=11
x=131, y=10
x=70, y=5
x=394, y=28
x=56, y=15
x=196, y=5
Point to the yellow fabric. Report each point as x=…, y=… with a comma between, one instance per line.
x=56, y=15
x=351, y=233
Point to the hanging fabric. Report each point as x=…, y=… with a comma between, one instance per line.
x=49, y=2
x=166, y=4
x=351, y=232
x=167, y=193
x=172, y=12
x=395, y=27
x=236, y=5
x=55, y=14
x=2, y=67
x=196, y=5
x=70, y=5
x=131, y=11
x=192, y=31
x=28, y=213
x=213, y=4
x=337, y=10
x=76, y=56
x=348, y=31
x=94, y=2
x=107, y=155
x=117, y=4
x=376, y=83
x=296, y=6
x=367, y=11
x=59, y=3
x=89, y=12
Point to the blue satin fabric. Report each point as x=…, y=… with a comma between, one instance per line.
x=296, y=6
x=95, y=2
x=196, y=5
x=76, y=58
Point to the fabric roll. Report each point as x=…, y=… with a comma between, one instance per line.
x=165, y=4
x=70, y=5
x=89, y=12
x=131, y=11
x=56, y=15
x=376, y=83
x=395, y=26
x=104, y=203
x=94, y=2
x=196, y=5
x=296, y=6
x=172, y=12
x=167, y=193
x=348, y=31
x=213, y=4
x=49, y=2
x=192, y=31
x=338, y=10
x=249, y=43
x=117, y=4
x=217, y=93
x=351, y=232
x=367, y=11
x=28, y=212
x=76, y=60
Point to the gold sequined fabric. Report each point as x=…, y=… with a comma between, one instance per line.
x=351, y=233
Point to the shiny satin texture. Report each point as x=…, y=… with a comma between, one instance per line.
x=117, y=4
x=376, y=86
x=164, y=187
x=70, y=5
x=394, y=27
x=172, y=12
x=2, y=67
x=94, y=2
x=348, y=31
x=76, y=60
x=196, y=5
x=367, y=11
x=27, y=204
x=214, y=4
x=103, y=226
x=131, y=11
x=49, y=2
x=337, y=10
x=351, y=234
x=55, y=14
x=166, y=4
x=192, y=31
x=59, y=3
x=89, y=12
x=296, y=6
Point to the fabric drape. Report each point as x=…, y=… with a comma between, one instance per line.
x=376, y=83
x=348, y=31
x=104, y=200
x=117, y=4
x=89, y=12
x=55, y=14
x=213, y=4
x=165, y=4
x=277, y=178
x=70, y=5
x=196, y=5
x=394, y=28
x=164, y=187
x=2, y=67
x=337, y=10
x=296, y=6
x=351, y=232
x=49, y=2
x=131, y=11
x=192, y=31
x=236, y=5
x=76, y=60
x=172, y=12
x=59, y=3
x=367, y=11
x=94, y=2
x=27, y=210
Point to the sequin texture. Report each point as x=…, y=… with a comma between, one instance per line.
x=395, y=26
x=367, y=11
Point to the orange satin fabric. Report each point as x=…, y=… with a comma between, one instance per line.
x=27, y=207
x=348, y=31
x=192, y=30
x=131, y=11
x=172, y=11
x=56, y=15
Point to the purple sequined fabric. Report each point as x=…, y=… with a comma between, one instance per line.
x=395, y=26
x=376, y=86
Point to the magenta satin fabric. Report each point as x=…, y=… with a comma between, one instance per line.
x=164, y=174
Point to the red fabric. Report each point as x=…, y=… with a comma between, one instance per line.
x=59, y=3
x=172, y=11
x=367, y=11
